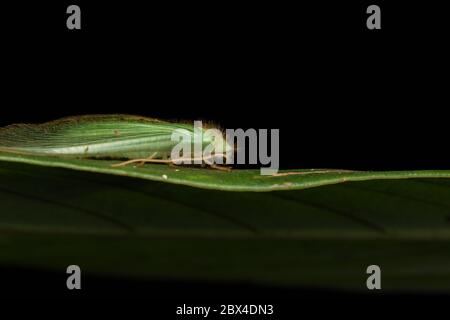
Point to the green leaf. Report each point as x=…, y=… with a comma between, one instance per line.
x=161, y=228
x=236, y=180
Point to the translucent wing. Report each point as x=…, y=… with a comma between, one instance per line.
x=114, y=136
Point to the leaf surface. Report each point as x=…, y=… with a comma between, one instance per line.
x=136, y=223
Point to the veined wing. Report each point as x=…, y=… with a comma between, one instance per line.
x=115, y=136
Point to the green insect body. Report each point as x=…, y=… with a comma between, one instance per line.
x=98, y=136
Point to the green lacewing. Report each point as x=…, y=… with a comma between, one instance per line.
x=99, y=136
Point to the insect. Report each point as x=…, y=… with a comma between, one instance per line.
x=137, y=139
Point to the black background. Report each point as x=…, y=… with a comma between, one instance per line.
x=342, y=96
